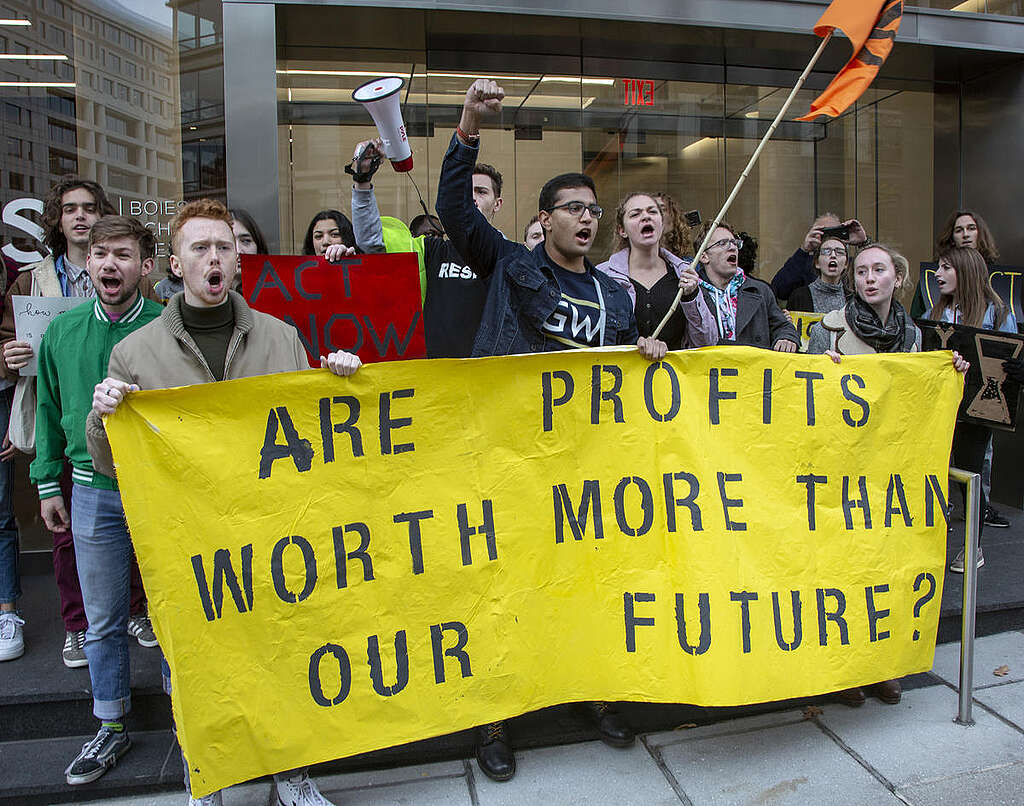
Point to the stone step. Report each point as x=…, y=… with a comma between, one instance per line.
x=154, y=763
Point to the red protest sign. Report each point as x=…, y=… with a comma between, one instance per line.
x=368, y=304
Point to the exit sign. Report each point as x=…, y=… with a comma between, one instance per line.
x=638, y=92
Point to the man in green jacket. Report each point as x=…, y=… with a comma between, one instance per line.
x=73, y=357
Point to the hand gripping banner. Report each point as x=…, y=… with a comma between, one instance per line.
x=336, y=565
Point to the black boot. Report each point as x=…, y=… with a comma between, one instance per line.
x=494, y=752
x=610, y=724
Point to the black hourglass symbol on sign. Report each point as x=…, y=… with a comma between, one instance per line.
x=990, y=402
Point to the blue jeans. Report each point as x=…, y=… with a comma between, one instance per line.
x=10, y=581
x=103, y=550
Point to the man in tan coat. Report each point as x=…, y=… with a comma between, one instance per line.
x=207, y=333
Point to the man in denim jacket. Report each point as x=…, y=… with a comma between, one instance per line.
x=548, y=298
x=530, y=305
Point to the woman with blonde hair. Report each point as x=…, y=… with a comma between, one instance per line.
x=873, y=321
x=652, y=275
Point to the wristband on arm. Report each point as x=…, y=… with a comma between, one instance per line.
x=363, y=176
x=468, y=139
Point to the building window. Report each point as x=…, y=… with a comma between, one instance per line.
x=117, y=125
x=108, y=87
x=61, y=104
x=138, y=99
x=203, y=165
x=62, y=133
x=17, y=115
x=202, y=95
x=61, y=164
x=114, y=62
x=122, y=179
x=117, y=151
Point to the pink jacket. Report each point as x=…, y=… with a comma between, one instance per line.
x=701, y=327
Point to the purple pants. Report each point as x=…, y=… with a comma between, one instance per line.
x=65, y=572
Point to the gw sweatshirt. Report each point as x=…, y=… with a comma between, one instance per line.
x=73, y=357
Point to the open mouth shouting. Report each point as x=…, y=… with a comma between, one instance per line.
x=584, y=236
x=732, y=258
x=647, y=230
x=215, y=282
x=111, y=285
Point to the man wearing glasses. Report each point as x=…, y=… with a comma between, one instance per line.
x=744, y=307
x=550, y=298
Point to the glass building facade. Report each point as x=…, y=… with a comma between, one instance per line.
x=162, y=101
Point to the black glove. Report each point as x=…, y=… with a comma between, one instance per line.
x=363, y=167
x=1014, y=369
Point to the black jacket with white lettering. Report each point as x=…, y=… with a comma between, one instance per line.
x=454, y=301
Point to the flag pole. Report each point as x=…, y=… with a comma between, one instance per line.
x=746, y=172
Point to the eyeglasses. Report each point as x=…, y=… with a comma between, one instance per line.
x=832, y=251
x=726, y=242
x=576, y=208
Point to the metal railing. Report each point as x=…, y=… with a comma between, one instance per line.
x=972, y=504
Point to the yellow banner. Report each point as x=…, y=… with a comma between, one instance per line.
x=336, y=565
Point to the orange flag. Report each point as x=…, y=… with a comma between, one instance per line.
x=871, y=26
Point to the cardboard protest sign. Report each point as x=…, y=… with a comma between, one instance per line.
x=32, y=315
x=369, y=304
x=803, y=321
x=433, y=545
x=1006, y=281
x=990, y=397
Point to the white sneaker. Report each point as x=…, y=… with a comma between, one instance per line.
x=12, y=638
x=299, y=790
x=213, y=799
x=957, y=566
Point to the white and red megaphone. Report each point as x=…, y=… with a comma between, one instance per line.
x=380, y=97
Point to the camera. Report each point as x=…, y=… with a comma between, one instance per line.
x=692, y=218
x=842, y=232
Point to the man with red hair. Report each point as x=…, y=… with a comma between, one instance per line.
x=206, y=334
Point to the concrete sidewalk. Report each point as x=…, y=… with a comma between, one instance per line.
x=911, y=753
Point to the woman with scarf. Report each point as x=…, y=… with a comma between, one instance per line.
x=966, y=298
x=872, y=321
x=652, y=275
